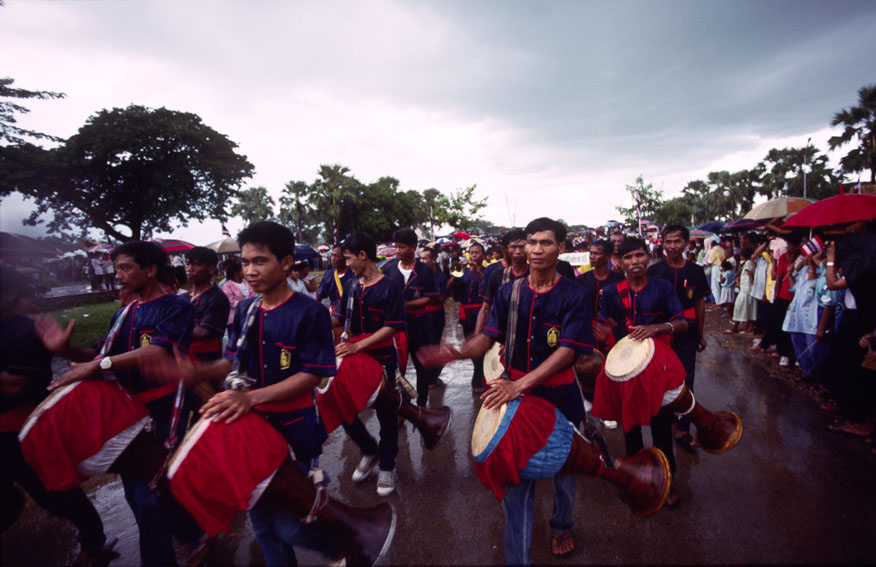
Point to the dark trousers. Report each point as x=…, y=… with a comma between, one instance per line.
x=71, y=505
x=686, y=349
x=468, y=328
x=387, y=448
x=421, y=332
x=661, y=432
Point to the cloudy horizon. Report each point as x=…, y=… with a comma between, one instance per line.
x=550, y=108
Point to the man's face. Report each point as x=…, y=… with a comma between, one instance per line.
x=616, y=239
x=337, y=259
x=476, y=253
x=131, y=277
x=635, y=263
x=355, y=262
x=427, y=258
x=517, y=251
x=598, y=259
x=744, y=241
x=404, y=252
x=542, y=250
x=674, y=244
x=198, y=273
x=262, y=269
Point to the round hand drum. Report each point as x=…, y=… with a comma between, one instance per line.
x=79, y=430
x=528, y=438
x=492, y=364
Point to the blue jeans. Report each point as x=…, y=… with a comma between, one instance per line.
x=518, y=506
x=277, y=533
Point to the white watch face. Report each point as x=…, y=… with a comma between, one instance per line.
x=106, y=363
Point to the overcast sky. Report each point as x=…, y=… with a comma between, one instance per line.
x=549, y=107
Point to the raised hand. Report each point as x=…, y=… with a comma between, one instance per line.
x=55, y=339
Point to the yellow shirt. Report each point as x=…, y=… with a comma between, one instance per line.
x=716, y=255
x=770, y=283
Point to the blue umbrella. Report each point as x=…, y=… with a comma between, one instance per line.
x=713, y=226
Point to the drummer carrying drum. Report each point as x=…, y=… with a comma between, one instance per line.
x=642, y=308
x=544, y=321
x=282, y=341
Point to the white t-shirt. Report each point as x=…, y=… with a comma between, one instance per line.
x=405, y=273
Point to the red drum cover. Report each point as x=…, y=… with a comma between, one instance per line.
x=401, y=345
x=74, y=424
x=221, y=469
x=636, y=401
x=527, y=434
x=351, y=391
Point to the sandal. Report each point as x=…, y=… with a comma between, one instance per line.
x=561, y=540
x=850, y=427
x=686, y=442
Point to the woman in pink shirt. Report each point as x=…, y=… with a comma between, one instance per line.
x=235, y=287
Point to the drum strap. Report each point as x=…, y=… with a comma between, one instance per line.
x=506, y=275
x=511, y=329
x=593, y=435
x=623, y=290
x=234, y=380
x=338, y=285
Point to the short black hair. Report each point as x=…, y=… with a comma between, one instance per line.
x=542, y=224
x=405, y=236
x=513, y=235
x=361, y=242
x=476, y=243
x=273, y=236
x=607, y=246
x=430, y=250
x=202, y=255
x=630, y=244
x=144, y=253
x=685, y=233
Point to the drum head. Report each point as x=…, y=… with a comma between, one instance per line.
x=628, y=358
x=486, y=425
x=492, y=365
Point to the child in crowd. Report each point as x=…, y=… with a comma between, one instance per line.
x=728, y=285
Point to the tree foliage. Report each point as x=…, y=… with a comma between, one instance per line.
x=129, y=170
x=859, y=127
x=9, y=132
x=650, y=200
x=253, y=204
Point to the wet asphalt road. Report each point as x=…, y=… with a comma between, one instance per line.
x=790, y=492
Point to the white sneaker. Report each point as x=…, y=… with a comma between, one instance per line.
x=784, y=361
x=365, y=468
x=609, y=424
x=385, y=483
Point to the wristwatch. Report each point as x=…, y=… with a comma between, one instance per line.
x=106, y=363
x=830, y=263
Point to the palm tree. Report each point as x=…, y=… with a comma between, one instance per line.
x=859, y=123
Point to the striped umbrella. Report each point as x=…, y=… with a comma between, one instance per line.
x=172, y=245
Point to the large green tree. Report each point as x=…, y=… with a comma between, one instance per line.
x=336, y=197
x=130, y=170
x=859, y=127
x=253, y=204
x=463, y=210
x=783, y=174
x=297, y=212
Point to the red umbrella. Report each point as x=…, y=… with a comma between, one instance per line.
x=171, y=245
x=462, y=235
x=839, y=209
x=386, y=252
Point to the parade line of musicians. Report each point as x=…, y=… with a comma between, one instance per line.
x=292, y=343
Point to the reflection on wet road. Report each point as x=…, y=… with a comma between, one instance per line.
x=788, y=493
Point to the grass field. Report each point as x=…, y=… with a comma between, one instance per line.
x=92, y=321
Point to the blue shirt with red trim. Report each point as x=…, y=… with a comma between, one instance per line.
x=165, y=321
x=328, y=287
x=466, y=289
x=596, y=286
x=493, y=280
x=654, y=303
x=376, y=305
x=293, y=337
x=561, y=316
x=690, y=285
x=420, y=284
x=211, y=313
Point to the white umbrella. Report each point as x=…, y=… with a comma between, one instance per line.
x=224, y=246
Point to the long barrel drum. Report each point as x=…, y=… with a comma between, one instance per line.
x=95, y=427
x=529, y=438
x=641, y=377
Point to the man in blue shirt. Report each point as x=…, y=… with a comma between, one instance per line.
x=642, y=308
x=142, y=333
x=336, y=278
x=466, y=290
x=553, y=328
x=289, y=349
